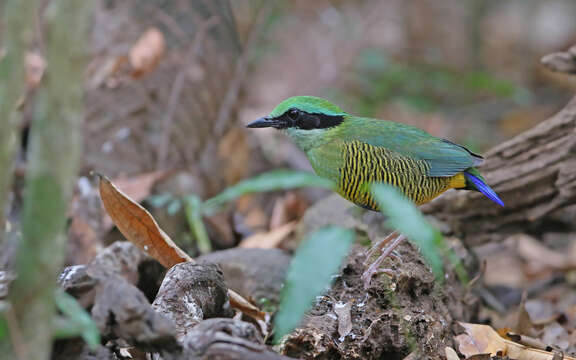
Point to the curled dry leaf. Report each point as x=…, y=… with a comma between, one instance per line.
x=140, y=228
x=136, y=188
x=482, y=339
x=479, y=339
x=145, y=55
x=271, y=239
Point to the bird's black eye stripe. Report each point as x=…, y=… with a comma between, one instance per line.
x=295, y=118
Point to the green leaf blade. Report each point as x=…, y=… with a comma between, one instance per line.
x=271, y=181
x=77, y=321
x=315, y=262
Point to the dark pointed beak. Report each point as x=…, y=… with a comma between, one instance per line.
x=264, y=122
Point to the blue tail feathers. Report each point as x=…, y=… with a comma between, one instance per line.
x=478, y=183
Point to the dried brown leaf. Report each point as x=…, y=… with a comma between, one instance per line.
x=479, y=339
x=482, y=339
x=288, y=208
x=246, y=307
x=145, y=55
x=540, y=258
x=269, y=240
x=524, y=324
x=138, y=226
x=136, y=188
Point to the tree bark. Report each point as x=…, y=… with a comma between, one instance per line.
x=53, y=162
x=534, y=173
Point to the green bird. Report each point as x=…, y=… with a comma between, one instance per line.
x=353, y=151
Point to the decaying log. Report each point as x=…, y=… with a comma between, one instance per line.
x=175, y=327
x=534, y=173
x=122, y=311
x=256, y=274
x=191, y=293
x=121, y=259
x=227, y=339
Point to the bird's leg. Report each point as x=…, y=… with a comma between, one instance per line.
x=374, y=268
x=380, y=244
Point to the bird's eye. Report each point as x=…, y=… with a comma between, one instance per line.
x=293, y=114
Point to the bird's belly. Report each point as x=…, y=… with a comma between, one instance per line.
x=407, y=175
x=356, y=165
x=350, y=187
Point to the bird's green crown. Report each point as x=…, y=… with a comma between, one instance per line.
x=309, y=104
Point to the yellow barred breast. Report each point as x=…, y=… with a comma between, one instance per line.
x=364, y=163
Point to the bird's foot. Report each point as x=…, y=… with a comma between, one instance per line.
x=369, y=273
x=374, y=268
x=379, y=246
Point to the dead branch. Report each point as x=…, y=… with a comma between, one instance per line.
x=227, y=339
x=122, y=311
x=535, y=174
x=191, y=293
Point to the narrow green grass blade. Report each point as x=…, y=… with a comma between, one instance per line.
x=315, y=262
x=270, y=181
x=77, y=322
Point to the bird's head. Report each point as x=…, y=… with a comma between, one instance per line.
x=302, y=113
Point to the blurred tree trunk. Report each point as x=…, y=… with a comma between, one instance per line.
x=55, y=147
x=17, y=28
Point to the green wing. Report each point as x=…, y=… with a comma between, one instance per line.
x=444, y=157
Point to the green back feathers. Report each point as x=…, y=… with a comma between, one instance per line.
x=443, y=157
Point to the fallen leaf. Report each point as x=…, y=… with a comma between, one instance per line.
x=540, y=258
x=271, y=239
x=137, y=188
x=145, y=55
x=555, y=334
x=524, y=324
x=34, y=65
x=246, y=307
x=479, y=339
x=482, y=339
x=138, y=226
x=288, y=208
